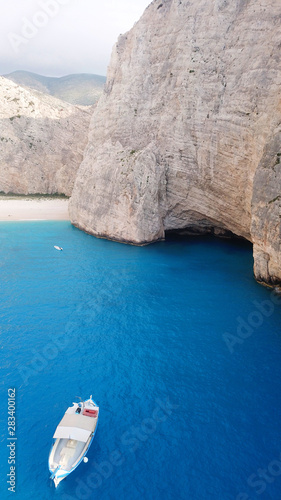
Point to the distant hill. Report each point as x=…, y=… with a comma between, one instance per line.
x=83, y=89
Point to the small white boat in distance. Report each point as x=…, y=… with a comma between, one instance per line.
x=73, y=437
x=58, y=248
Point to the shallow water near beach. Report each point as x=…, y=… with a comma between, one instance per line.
x=183, y=413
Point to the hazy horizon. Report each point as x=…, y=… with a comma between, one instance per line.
x=49, y=76
x=57, y=38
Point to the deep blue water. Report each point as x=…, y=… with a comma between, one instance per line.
x=143, y=331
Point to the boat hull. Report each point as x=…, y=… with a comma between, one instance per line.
x=67, y=453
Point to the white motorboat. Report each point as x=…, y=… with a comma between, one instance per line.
x=72, y=439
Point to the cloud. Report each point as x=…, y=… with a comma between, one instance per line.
x=57, y=37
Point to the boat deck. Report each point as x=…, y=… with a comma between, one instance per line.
x=67, y=452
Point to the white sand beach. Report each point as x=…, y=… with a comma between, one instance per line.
x=25, y=208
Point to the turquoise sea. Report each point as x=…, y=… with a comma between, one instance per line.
x=178, y=345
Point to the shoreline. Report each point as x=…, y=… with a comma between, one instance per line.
x=33, y=209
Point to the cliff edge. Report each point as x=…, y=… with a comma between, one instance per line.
x=187, y=133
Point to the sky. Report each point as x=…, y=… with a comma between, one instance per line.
x=61, y=37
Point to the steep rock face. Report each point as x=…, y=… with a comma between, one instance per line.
x=182, y=134
x=266, y=218
x=41, y=141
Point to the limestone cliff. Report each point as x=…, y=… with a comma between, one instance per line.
x=187, y=133
x=41, y=141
